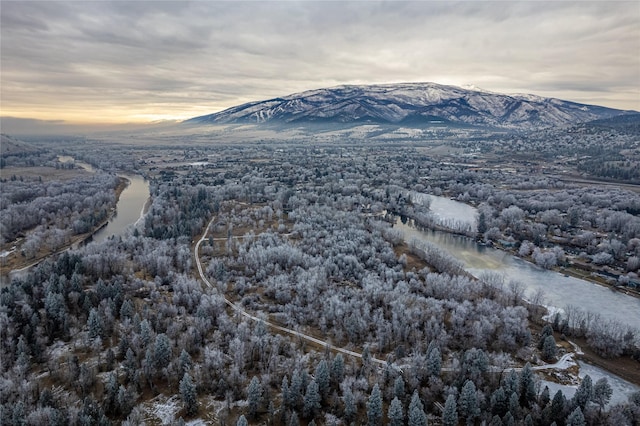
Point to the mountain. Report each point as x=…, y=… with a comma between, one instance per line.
x=11, y=146
x=411, y=105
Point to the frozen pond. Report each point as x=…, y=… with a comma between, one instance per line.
x=446, y=210
x=621, y=388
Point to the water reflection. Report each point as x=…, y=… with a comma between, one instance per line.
x=559, y=290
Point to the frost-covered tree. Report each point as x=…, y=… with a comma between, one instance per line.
x=323, y=378
x=576, y=418
x=450, y=412
x=396, y=413
x=374, y=406
x=189, y=395
x=602, y=392
x=254, y=394
x=584, y=393
x=417, y=416
x=468, y=404
x=311, y=400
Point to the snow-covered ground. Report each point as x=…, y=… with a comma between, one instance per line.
x=621, y=388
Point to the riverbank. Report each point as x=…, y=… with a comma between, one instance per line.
x=15, y=262
x=624, y=366
x=571, y=270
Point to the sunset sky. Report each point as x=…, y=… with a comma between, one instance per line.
x=112, y=62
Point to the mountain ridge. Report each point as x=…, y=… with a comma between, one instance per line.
x=416, y=104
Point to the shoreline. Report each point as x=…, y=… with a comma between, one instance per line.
x=6, y=272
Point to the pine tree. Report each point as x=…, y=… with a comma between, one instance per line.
x=189, y=395
x=254, y=393
x=450, y=412
x=311, y=400
x=602, y=392
x=398, y=388
x=396, y=413
x=527, y=386
x=286, y=393
x=576, y=418
x=95, y=324
x=499, y=403
x=374, y=407
x=547, y=330
x=295, y=390
x=242, y=421
x=434, y=361
x=545, y=397
x=337, y=369
x=162, y=351
x=468, y=403
x=549, y=348
x=185, y=362
x=557, y=406
x=584, y=393
x=349, y=400
x=417, y=416
x=323, y=378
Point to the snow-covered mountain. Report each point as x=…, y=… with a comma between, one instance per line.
x=411, y=104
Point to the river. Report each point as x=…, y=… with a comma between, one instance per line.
x=130, y=206
x=559, y=290
x=129, y=210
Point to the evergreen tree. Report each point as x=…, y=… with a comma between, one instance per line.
x=185, y=362
x=557, y=407
x=549, y=349
x=547, y=330
x=396, y=413
x=311, y=400
x=337, y=369
x=602, y=392
x=468, y=403
x=323, y=378
x=398, y=388
x=162, y=351
x=254, y=393
x=499, y=403
x=576, y=418
x=242, y=421
x=496, y=421
x=545, y=397
x=189, y=395
x=285, y=393
x=527, y=386
x=349, y=400
x=434, y=361
x=450, y=412
x=374, y=407
x=584, y=393
x=96, y=327
x=295, y=390
x=417, y=416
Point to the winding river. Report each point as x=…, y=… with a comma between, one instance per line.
x=559, y=290
x=129, y=210
x=130, y=206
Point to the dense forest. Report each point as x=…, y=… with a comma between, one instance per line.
x=297, y=246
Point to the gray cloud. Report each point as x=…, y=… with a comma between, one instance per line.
x=188, y=58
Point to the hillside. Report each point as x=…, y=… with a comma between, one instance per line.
x=411, y=105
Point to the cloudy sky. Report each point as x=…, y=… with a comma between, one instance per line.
x=106, y=62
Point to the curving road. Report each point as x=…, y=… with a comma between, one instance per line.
x=246, y=314
x=563, y=363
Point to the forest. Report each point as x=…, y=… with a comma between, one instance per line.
x=210, y=310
